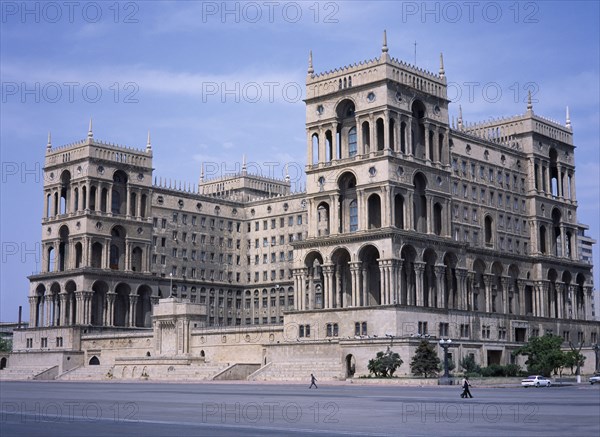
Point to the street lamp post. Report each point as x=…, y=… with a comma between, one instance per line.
x=445, y=344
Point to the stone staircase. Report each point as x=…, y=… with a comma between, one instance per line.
x=22, y=373
x=299, y=371
x=86, y=373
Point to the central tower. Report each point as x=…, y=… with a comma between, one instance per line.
x=378, y=172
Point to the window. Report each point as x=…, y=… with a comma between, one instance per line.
x=422, y=328
x=352, y=141
x=464, y=330
x=290, y=221
x=299, y=220
x=29, y=343
x=353, y=216
x=163, y=223
x=455, y=189
x=184, y=219
x=501, y=333
x=474, y=215
x=485, y=331
x=175, y=217
x=265, y=225
x=566, y=335
x=444, y=329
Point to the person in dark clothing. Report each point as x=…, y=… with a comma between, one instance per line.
x=312, y=381
x=466, y=392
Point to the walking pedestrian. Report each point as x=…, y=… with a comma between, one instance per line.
x=312, y=381
x=465, y=385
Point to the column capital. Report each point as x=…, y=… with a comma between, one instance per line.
x=419, y=266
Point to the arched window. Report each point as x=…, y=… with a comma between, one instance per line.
x=352, y=142
x=488, y=230
x=353, y=216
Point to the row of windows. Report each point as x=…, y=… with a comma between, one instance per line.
x=273, y=258
x=290, y=222
x=500, y=177
x=43, y=342
x=519, y=225
x=504, y=243
x=231, y=225
x=499, y=200
x=274, y=241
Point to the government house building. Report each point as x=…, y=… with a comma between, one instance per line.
x=412, y=226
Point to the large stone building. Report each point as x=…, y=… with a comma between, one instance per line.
x=411, y=227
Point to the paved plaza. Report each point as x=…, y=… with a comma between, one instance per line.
x=219, y=409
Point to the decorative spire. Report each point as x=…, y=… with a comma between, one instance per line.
x=90, y=133
x=568, y=124
x=49, y=145
x=442, y=72
x=148, y=144
x=529, y=104
x=311, y=70
x=287, y=175
x=244, y=168
x=460, y=118
x=201, y=172
x=384, y=48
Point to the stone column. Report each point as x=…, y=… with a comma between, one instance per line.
x=334, y=220
x=504, y=281
x=110, y=312
x=461, y=281
x=386, y=130
x=106, y=254
x=394, y=297
x=470, y=294
x=426, y=141
x=48, y=310
x=63, y=309
x=334, y=145
x=559, y=287
x=386, y=207
x=328, y=286
x=365, y=287
x=33, y=316
x=587, y=298
x=402, y=284
x=132, y=309
x=359, y=139
x=354, y=272
x=440, y=275
x=383, y=281
x=419, y=269
x=309, y=147
x=487, y=279
x=311, y=290
x=372, y=130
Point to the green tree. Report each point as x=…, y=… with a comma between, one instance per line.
x=543, y=354
x=425, y=361
x=5, y=345
x=469, y=365
x=385, y=364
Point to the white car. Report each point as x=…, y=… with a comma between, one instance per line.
x=595, y=379
x=536, y=381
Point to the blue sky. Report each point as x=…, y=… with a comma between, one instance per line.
x=213, y=81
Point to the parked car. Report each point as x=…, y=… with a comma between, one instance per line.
x=536, y=381
x=595, y=379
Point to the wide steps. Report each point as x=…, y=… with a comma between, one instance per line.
x=22, y=373
x=300, y=371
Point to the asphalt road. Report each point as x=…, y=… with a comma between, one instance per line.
x=219, y=409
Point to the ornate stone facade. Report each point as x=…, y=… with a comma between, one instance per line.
x=411, y=226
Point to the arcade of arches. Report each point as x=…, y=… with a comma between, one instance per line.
x=434, y=281
x=66, y=306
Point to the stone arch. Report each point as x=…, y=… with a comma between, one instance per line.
x=143, y=307
x=556, y=232
x=369, y=256
x=479, y=294
x=399, y=211
x=418, y=129
x=498, y=294
x=342, y=280
x=40, y=292
x=63, y=248
x=99, y=298
x=429, y=284
x=121, y=305
x=323, y=219
x=117, y=253
x=3, y=363
x=71, y=303
x=420, y=203
x=94, y=361
x=119, y=193
x=65, y=192
x=450, y=281
x=408, y=279
x=350, y=366
x=348, y=205
x=96, y=261
x=374, y=211
x=137, y=257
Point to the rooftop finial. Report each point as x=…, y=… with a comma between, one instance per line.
x=148, y=144
x=202, y=172
x=442, y=72
x=568, y=124
x=49, y=145
x=460, y=118
x=384, y=47
x=287, y=175
x=244, y=168
x=311, y=70
x=90, y=133
x=529, y=104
